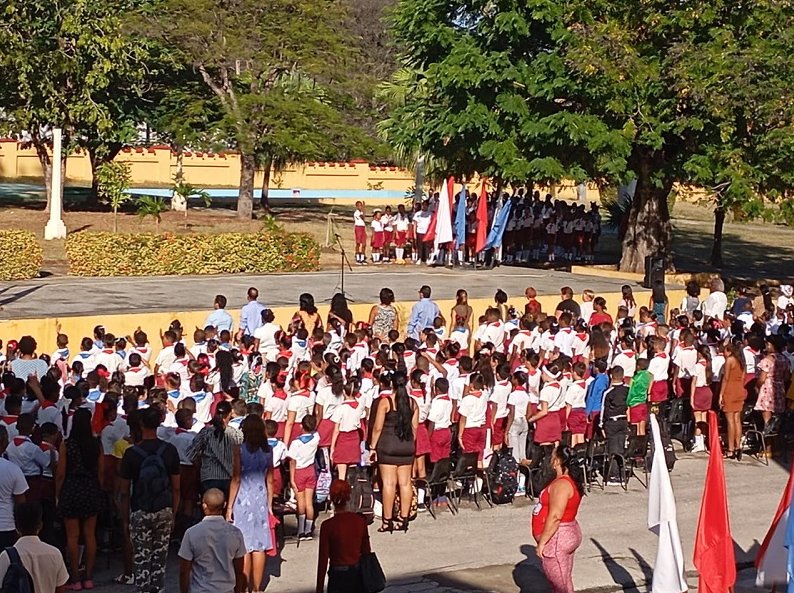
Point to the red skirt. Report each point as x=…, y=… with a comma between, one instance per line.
x=659, y=391
x=348, y=448
x=326, y=432
x=280, y=430
x=577, y=421
x=547, y=429
x=401, y=238
x=638, y=413
x=474, y=440
x=498, y=433
x=423, y=446
x=440, y=444
x=388, y=236
x=592, y=425
x=702, y=400
x=377, y=239
x=361, y=235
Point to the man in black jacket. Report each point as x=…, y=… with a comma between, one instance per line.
x=614, y=419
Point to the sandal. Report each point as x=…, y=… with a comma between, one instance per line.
x=401, y=524
x=387, y=526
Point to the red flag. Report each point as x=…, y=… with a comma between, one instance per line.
x=772, y=558
x=714, y=556
x=482, y=217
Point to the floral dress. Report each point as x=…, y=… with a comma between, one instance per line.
x=383, y=322
x=251, y=512
x=772, y=394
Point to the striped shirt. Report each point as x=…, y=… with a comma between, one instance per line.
x=216, y=454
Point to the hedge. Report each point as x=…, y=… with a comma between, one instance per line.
x=21, y=255
x=121, y=254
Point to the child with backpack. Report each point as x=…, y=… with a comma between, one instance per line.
x=303, y=474
x=347, y=437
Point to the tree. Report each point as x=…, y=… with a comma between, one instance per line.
x=72, y=65
x=242, y=50
x=540, y=90
x=114, y=181
x=152, y=206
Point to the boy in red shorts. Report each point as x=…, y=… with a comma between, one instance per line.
x=360, y=231
x=303, y=474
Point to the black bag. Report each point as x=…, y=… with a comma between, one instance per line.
x=151, y=492
x=667, y=445
x=503, y=476
x=372, y=577
x=362, y=500
x=17, y=579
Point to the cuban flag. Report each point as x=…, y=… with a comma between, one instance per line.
x=460, y=219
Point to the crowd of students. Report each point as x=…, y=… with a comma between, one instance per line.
x=534, y=230
x=266, y=413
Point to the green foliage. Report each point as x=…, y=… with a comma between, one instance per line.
x=113, y=254
x=187, y=191
x=152, y=206
x=22, y=255
x=113, y=180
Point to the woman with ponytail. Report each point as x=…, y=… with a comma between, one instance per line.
x=394, y=445
x=343, y=541
x=554, y=524
x=213, y=448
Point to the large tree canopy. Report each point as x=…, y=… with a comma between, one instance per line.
x=539, y=90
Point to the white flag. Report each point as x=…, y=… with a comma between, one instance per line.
x=443, y=217
x=668, y=573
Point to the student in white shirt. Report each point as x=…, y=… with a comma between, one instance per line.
x=12, y=489
x=303, y=477
x=347, y=435
x=27, y=455
x=439, y=421
x=360, y=231
x=518, y=407
x=498, y=406
x=473, y=409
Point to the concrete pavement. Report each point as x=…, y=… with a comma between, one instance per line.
x=491, y=550
x=68, y=296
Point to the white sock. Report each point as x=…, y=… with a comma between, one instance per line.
x=301, y=524
x=309, y=525
x=420, y=496
x=400, y=252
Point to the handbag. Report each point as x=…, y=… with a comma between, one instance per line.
x=372, y=577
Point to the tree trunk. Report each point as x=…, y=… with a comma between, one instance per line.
x=264, y=201
x=649, y=231
x=45, y=158
x=245, y=197
x=719, y=223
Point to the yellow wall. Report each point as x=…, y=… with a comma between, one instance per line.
x=44, y=330
x=156, y=166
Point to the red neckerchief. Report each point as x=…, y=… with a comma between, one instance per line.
x=352, y=403
x=280, y=394
x=554, y=384
x=503, y=383
x=47, y=404
x=20, y=440
x=453, y=362
x=581, y=383
x=385, y=393
x=418, y=393
x=8, y=419
x=475, y=393
x=444, y=397
x=46, y=447
x=520, y=388
x=581, y=336
x=181, y=431
x=662, y=355
x=107, y=350
x=628, y=353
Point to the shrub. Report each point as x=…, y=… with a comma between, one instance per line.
x=22, y=255
x=113, y=254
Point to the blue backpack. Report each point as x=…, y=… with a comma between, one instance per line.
x=151, y=492
x=17, y=579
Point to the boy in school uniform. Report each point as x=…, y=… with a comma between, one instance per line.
x=303, y=474
x=360, y=231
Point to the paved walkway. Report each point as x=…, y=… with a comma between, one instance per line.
x=65, y=296
x=491, y=551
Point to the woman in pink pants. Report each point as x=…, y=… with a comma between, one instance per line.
x=554, y=524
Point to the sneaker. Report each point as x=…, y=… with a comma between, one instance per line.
x=699, y=449
x=614, y=482
x=306, y=537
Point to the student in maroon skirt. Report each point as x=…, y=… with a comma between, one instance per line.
x=439, y=420
x=701, y=395
x=347, y=435
x=548, y=430
x=418, y=394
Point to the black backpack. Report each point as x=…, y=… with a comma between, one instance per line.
x=17, y=579
x=667, y=445
x=503, y=476
x=151, y=492
x=362, y=500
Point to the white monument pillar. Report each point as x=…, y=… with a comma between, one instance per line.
x=55, y=228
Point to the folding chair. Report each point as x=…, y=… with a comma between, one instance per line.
x=756, y=434
x=466, y=473
x=636, y=458
x=595, y=458
x=438, y=484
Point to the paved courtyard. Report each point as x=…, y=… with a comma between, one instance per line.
x=492, y=551
x=63, y=296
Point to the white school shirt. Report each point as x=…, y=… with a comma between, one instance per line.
x=457, y=386
x=165, y=358
x=533, y=385
x=401, y=223
x=358, y=218
x=495, y=334
x=563, y=341
x=135, y=376
x=686, y=359
x=348, y=416
x=28, y=456
x=277, y=407
x=699, y=374
x=368, y=392
x=575, y=394
x=279, y=451
x=440, y=413
x=144, y=351
x=499, y=395
x=519, y=399
x=87, y=359
x=750, y=360
x=474, y=409
x=108, y=359
x=10, y=423
x=586, y=309
x=627, y=360
x=330, y=402
x=581, y=345
x=422, y=221
x=452, y=368
x=523, y=341
x=50, y=413
x=302, y=403
x=552, y=395
x=377, y=225
x=303, y=452
x=180, y=368
x=717, y=364
x=12, y=483
x=659, y=366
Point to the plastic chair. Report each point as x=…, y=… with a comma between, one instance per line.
x=438, y=484
x=466, y=473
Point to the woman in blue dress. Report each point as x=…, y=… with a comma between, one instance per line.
x=251, y=498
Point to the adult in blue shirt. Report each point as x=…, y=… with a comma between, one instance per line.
x=251, y=314
x=594, y=397
x=220, y=318
x=423, y=313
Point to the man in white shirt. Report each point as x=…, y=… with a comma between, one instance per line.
x=212, y=552
x=422, y=220
x=43, y=562
x=12, y=491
